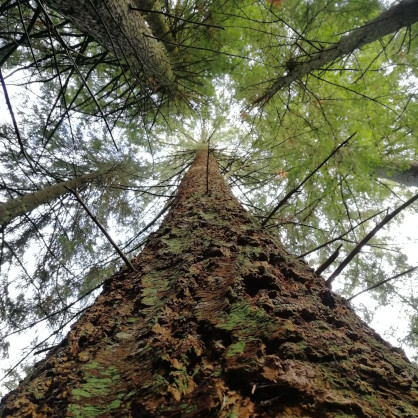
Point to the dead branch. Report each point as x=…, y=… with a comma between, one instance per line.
x=105, y=233
x=367, y=238
x=383, y=282
x=296, y=189
x=328, y=261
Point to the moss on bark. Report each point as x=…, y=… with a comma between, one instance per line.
x=123, y=32
x=218, y=319
x=28, y=202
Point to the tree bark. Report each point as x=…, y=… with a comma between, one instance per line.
x=124, y=32
x=218, y=320
x=408, y=177
x=21, y=206
x=402, y=14
x=157, y=22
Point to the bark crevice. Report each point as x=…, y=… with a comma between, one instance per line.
x=184, y=335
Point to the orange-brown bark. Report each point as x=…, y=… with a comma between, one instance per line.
x=218, y=320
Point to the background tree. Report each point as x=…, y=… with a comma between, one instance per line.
x=96, y=102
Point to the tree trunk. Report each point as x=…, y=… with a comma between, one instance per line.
x=157, y=22
x=408, y=177
x=22, y=205
x=124, y=32
x=400, y=15
x=218, y=320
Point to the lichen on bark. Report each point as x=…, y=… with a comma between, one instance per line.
x=219, y=320
x=24, y=204
x=124, y=32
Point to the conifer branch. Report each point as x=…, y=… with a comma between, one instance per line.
x=16, y=128
x=403, y=14
x=7, y=50
x=340, y=236
x=101, y=227
x=383, y=282
x=54, y=313
x=328, y=261
x=160, y=12
x=29, y=352
x=367, y=238
x=296, y=189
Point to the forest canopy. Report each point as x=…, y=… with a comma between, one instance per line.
x=309, y=106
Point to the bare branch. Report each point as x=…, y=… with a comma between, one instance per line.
x=105, y=233
x=328, y=261
x=367, y=238
x=296, y=189
x=340, y=236
x=383, y=282
x=16, y=128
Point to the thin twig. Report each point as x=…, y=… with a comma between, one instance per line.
x=296, y=189
x=9, y=106
x=367, y=238
x=42, y=350
x=383, y=282
x=64, y=309
x=39, y=344
x=175, y=17
x=74, y=64
x=105, y=233
x=340, y=236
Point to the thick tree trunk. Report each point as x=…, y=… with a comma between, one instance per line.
x=403, y=14
x=124, y=32
x=408, y=177
x=21, y=206
x=218, y=320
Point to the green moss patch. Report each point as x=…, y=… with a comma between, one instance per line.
x=246, y=320
x=234, y=349
x=99, y=383
x=153, y=284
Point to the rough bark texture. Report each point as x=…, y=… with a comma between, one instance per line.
x=157, y=21
x=219, y=320
x=408, y=177
x=403, y=14
x=28, y=202
x=122, y=31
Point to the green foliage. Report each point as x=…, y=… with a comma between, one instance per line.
x=78, y=110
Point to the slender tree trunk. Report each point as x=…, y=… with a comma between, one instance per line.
x=408, y=177
x=122, y=31
x=218, y=320
x=405, y=13
x=22, y=205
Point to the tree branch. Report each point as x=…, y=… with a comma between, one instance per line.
x=16, y=128
x=340, y=236
x=383, y=282
x=293, y=191
x=105, y=233
x=139, y=9
x=144, y=56
x=328, y=261
x=367, y=238
x=402, y=14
